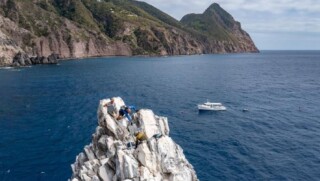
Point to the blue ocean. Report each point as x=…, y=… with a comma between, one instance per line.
x=48, y=112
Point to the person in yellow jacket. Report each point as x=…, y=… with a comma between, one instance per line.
x=140, y=137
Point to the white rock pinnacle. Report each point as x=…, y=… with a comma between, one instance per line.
x=113, y=154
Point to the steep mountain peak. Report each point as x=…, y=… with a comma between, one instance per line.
x=216, y=10
x=217, y=24
x=214, y=6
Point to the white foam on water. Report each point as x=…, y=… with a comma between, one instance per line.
x=6, y=68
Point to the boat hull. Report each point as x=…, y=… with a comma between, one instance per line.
x=209, y=108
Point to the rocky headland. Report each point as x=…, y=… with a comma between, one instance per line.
x=114, y=155
x=86, y=28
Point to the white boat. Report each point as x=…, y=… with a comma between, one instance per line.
x=210, y=106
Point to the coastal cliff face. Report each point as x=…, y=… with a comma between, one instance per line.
x=86, y=28
x=28, y=28
x=111, y=155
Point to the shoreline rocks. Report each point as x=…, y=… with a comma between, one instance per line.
x=22, y=59
x=112, y=155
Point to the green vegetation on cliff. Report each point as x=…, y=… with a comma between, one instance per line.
x=218, y=25
x=214, y=22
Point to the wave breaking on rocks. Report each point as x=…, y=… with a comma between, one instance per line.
x=118, y=152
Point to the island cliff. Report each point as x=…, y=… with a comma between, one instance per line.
x=112, y=154
x=91, y=28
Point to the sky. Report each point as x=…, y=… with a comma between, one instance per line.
x=272, y=24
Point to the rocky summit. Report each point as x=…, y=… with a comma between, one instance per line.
x=91, y=28
x=136, y=150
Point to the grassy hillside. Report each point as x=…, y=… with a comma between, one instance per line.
x=159, y=15
x=214, y=22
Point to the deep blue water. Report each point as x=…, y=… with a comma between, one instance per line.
x=48, y=113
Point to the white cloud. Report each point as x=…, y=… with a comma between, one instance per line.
x=272, y=6
x=284, y=25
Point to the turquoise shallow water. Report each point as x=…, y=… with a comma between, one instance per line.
x=48, y=113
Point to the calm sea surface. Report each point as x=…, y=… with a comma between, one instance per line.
x=48, y=113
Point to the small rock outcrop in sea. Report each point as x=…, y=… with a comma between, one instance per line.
x=22, y=59
x=113, y=156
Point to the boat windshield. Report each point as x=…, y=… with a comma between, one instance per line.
x=212, y=104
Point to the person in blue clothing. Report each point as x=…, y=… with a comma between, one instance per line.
x=127, y=112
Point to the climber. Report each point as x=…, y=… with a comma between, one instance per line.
x=112, y=109
x=127, y=112
x=140, y=137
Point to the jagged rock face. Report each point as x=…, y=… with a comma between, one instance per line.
x=109, y=157
x=167, y=42
x=8, y=47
